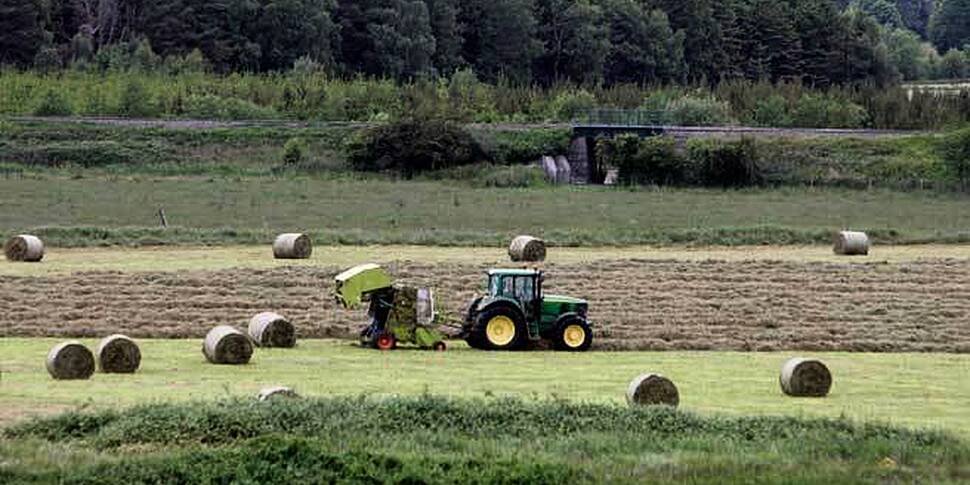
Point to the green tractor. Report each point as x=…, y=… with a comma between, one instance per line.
x=515, y=313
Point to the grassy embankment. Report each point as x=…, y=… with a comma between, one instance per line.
x=535, y=417
x=82, y=185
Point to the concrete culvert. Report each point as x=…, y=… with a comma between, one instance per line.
x=226, y=345
x=805, y=378
x=118, y=354
x=292, y=246
x=851, y=243
x=277, y=392
x=70, y=360
x=527, y=249
x=24, y=248
x=652, y=389
x=269, y=329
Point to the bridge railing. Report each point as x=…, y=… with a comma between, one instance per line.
x=620, y=117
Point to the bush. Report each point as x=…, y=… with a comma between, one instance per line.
x=648, y=161
x=53, y=103
x=136, y=102
x=703, y=111
x=570, y=104
x=209, y=106
x=413, y=146
x=510, y=147
x=772, y=112
x=955, y=151
x=295, y=151
x=819, y=111
x=725, y=164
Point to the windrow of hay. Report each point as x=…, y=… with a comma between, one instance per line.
x=24, y=247
x=527, y=249
x=226, y=345
x=118, y=354
x=277, y=392
x=269, y=329
x=805, y=378
x=292, y=246
x=851, y=243
x=652, y=389
x=70, y=360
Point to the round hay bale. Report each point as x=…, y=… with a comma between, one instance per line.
x=277, y=392
x=118, y=354
x=527, y=249
x=652, y=389
x=70, y=360
x=851, y=243
x=805, y=378
x=24, y=248
x=292, y=246
x=269, y=329
x=226, y=345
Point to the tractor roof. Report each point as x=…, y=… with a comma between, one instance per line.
x=513, y=272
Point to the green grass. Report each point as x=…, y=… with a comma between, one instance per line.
x=921, y=390
x=121, y=210
x=482, y=417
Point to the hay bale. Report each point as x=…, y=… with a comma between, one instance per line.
x=118, y=354
x=805, y=378
x=70, y=360
x=292, y=246
x=277, y=392
x=25, y=248
x=549, y=167
x=269, y=329
x=652, y=389
x=563, y=170
x=226, y=345
x=527, y=249
x=851, y=243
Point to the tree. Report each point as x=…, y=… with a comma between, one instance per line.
x=884, y=11
x=703, y=38
x=772, y=47
x=447, y=35
x=862, y=55
x=386, y=37
x=907, y=54
x=498, y=38
x=286, y=30
x=643, y=47
x=950, y=25
x=574, y=39
x=22, y=34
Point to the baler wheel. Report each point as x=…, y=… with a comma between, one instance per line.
x=385, y=341
x=440, y=346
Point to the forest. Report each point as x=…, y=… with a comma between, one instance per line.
x=819, y=43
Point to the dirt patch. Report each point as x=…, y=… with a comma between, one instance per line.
x=634, y=304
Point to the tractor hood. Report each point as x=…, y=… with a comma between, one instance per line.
x=563, y=299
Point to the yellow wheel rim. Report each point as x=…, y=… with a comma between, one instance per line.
x=500, y=330
x=574, y=336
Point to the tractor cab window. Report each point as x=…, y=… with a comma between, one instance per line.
x=501, y=286
x=524, y=288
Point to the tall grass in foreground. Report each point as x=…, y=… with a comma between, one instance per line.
x=500, y=440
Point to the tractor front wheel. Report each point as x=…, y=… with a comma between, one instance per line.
x=498, y=328
x=574, y=335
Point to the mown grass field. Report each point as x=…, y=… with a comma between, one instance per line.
x=914, y=390
x=477, y=417
x=105, y=211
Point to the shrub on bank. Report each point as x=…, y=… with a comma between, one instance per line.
x=413, y=146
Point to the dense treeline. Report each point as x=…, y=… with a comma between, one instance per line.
x=817, y=42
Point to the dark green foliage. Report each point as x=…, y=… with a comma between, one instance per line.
x=950, y=25
x=644, y=48
x=22, y=33
x=53, y=103
x=725, y=164
x=413, y=146
x=295, y=151
x=651, y=160
x=136, y=101
x=498, y=39
x=575, y=41
x=955, y=149
x=526, y=146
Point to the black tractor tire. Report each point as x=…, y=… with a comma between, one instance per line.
x=479, y=336
x=567, y=336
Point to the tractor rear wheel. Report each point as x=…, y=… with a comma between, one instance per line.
x=573, y=335
x=498, y=328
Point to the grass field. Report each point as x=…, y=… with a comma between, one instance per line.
x=915, y=390
x=225, y=211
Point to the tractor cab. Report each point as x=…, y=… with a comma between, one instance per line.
x=515, y=311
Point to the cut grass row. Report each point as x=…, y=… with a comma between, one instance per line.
x=122, y=211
